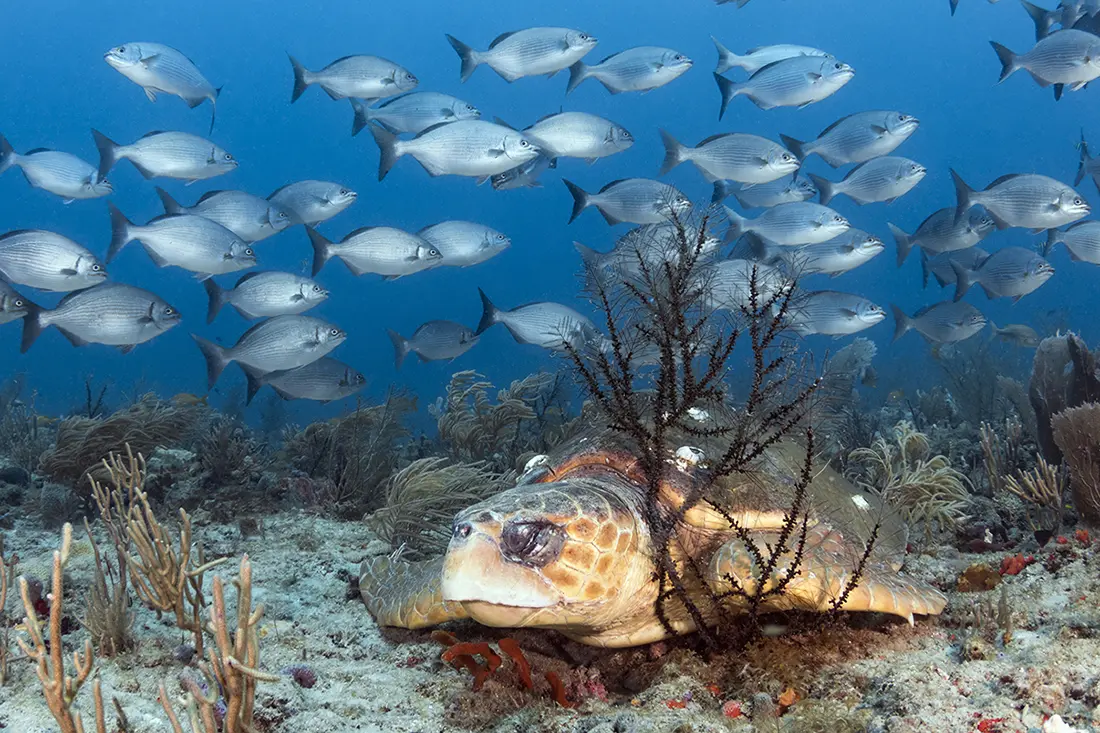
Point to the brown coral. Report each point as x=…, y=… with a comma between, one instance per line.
x=1077, y=433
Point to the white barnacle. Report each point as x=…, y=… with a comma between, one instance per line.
x=698, y=414
x=688, y=457
x=539, y=461
x=861, y=502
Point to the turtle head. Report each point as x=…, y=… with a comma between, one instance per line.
x=565, y=554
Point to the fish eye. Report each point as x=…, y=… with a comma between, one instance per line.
x=169, y=310
x=228, y=156
x=121, y=49
x=249, y=253
x=316, y=288
x=334, y=332
x=343, y=192
x=18, y=303
x=433, y=252
x=1078, y=201
x=96, y=268
x=501, y=237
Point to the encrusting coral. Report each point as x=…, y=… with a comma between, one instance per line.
x=926, y=489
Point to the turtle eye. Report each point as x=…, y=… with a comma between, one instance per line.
x=534, y=543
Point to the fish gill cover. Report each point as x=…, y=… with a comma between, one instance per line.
x=480, y=328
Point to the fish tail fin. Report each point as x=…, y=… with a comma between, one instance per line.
x=925, y=270
x=954, y=6
x=902, y=322
x=401, y=348
x=580, y=198
x=589, y=257
x=725, y=57
x=108, y=152
x=964, y=195
x=722, y=190
x=32, y=324
x=322, y=249
x=387, y=148
x=362, y=115
x=120, y=231
x=825, y=187
x=760, y=249
x=578, y=72
x=301, y=78
x=7, y=154
x=964, y=278
x=171, y=206
x=1053, y=237
x=489, y=313
x=1039, y=17
x=1009, y=65
x=215, y=356
x=737, y=224
x=214, y=106
x=215, y=299
x=795, y=146
x=1082, y=162
x=905, y=244
x=469, y=57
x=675, y=153
x=255, y=381
x=728, y=89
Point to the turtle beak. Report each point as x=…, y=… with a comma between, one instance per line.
x=476, y=573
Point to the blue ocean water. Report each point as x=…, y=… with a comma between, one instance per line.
x=909, y=55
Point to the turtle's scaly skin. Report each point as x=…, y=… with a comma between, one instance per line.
x=570, y=550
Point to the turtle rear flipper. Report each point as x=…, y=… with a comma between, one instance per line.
x=821, y=577
x=406, y=594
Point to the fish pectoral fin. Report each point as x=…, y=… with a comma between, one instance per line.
x=148, y=61
x=191, y=183
x=192, y=103
x=126, y=348
x=297, y=298
x=151, y=94
x=879, y=130
x=814, y=77
x=481, y=180
x=495, y=152
x=551, y=74
x=387, y=278
x=68, y=272
x=849, y=312
x=67, y=201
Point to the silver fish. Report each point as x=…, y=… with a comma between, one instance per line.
x=634, y=70
x=941, y=268
x=13, y=306
x=1022, y=200
x=464, y=243
x=62, y=174
x=578, y=135
x=1016, y=334
x=832, y=313
x=159, y=68
x=413, y=113
x=651, y=244
x=528, y=52
x=433, y=341
x=766, y=195
x=549, y=325
x=1010, y=272
x=1067, y=57
x=793, y=82
x=48, y=261
x=522, y=176
x=323, y=381
x=879, y=179
x=940, y=233
x=385, y=251
x=166, y=154
x=634, y=200
x=1087, y=165
x=1044, y=19
x=942, y=323
x=857, y=138
x=265, y=294
x=282, y=342
x=837, y=256
x=249, y=217
x=730, y=284
x=732, y=156
x=757, y=58
x=467, y=148
x=193, y=243
x=109, y=313
x=363, y=77
x=790, y=224
x=312, y=202
x=1082, y=240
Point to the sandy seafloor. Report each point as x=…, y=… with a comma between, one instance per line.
x=878, y=674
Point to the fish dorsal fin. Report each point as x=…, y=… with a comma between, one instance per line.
x=712, y=138
x=772, y=65
x=605, y=59
x=38, y=150
x=279, y=190
x=151, y=133
x=246, y=277
x=18, y=232
x=433, y=128
x=613, y=183
x=357, y=232
x=546, y=117
x=391, y=100
x=833, y=126
x=499, y=39
x=925, y=310
x=163, y=217
x=209, y=195
x=342, y=59
x=1003, y=179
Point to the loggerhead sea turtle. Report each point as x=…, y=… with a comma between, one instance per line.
x=569, y=549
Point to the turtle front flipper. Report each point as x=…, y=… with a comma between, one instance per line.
x=406, y=594
x=820, y=578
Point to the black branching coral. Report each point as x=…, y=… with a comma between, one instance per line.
x=667, y=372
